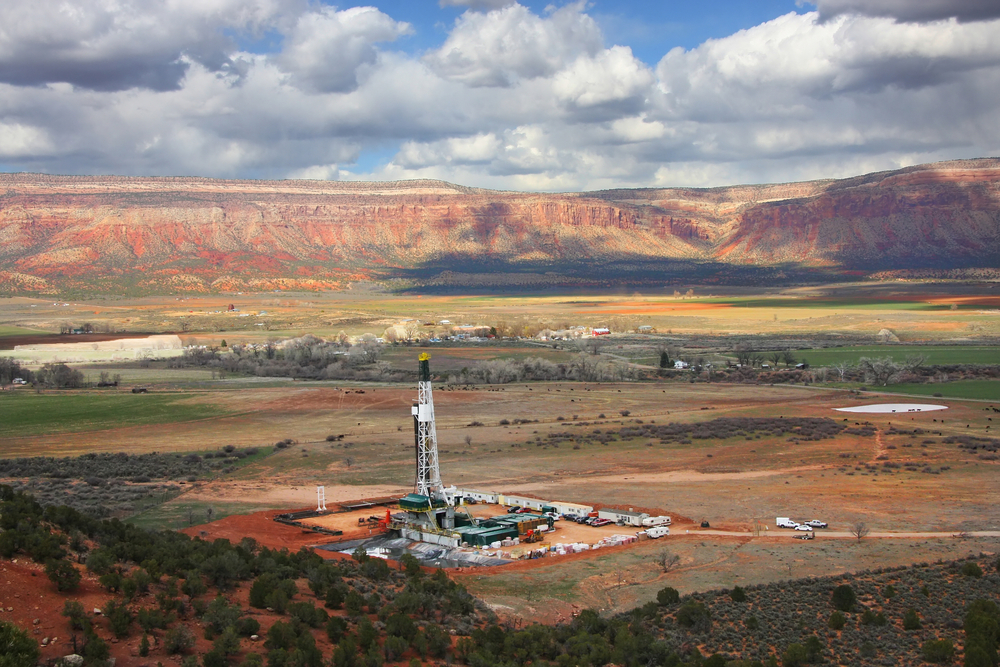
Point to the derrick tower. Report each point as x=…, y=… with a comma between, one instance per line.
x=428, y=480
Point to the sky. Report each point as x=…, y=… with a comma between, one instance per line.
x=529, y=96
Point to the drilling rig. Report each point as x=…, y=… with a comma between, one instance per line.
x=430, y=509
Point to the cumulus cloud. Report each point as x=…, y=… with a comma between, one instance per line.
x=917, y=11
x=326, y=48
x=118, y=44
x=477, y=5
x=509, y=44
x=610, y=84
x=508, y=99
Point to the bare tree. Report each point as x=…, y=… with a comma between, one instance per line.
x=860, y=530
x=667, y=560
x=468, y=441
x=913, y=362
x=879, y=371
x=776, y=357
x=209, y=513
x=788, y=358
x=842, y=367
x=349, y=461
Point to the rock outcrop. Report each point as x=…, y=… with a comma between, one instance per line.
x=149, y=235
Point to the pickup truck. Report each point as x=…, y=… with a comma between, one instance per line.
x=785, y=522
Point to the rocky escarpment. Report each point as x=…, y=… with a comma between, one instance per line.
x=191, y=234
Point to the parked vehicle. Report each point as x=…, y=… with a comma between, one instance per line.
x=816, y=523
x=601, y=522
x=656, y=521
x=553, y=515
x=705, y=524
x=19, y=381
x=785, y=522
x=513, y=509
x=655, y=532
x=804, y=527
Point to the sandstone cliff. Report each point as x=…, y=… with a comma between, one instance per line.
x=112, y=234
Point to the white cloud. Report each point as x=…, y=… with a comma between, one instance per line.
x=326, y=48
x=510, y=99
x=477, y=5
x=506, y=45
x=612, y=82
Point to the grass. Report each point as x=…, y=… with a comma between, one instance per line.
x=179, y=514
x=935, y=354
x=26, y=414
x=981, y=389
x=7, y=330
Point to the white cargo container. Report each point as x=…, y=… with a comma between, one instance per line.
x=656, y=521
x=657, y=531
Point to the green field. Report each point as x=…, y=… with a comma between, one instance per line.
x=7, y=330
x=859, y=303
x=27, y=413
x=935, y=354
x=982, y=389
x=177, y=514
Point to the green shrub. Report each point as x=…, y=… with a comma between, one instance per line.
x=971, y=569
x=694, y=615
x=837, y=621
x=63, y=575
x=752, y=623
x=668, y=596
x=844, y=598
x=336, y=628
x=19, y=649
x=911, y=620
x=247, y=626
x=178, y=640
x=889, y=592
x=794, y=656
x=119, y=617
x=73, y=610
x=738, y=594
x=938, y=650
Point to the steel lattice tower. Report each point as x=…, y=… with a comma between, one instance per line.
x=428, y=482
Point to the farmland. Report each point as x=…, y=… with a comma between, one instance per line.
x=741, y=452
x=27, y=414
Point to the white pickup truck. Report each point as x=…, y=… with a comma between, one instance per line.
x=785, y=522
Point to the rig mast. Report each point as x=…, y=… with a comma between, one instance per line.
x=428, y=481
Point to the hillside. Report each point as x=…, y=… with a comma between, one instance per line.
x=162, y=235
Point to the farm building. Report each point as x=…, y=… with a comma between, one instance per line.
x=627, y=517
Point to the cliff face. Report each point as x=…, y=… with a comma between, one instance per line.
x=165, y=235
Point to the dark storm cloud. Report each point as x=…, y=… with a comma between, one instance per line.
x=111, y=45
x=912, y=11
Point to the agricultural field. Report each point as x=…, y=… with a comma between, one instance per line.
x=736, y=455
x=933, y=354
x=985, y=390
x=28, y=414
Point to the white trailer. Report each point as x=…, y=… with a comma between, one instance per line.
x=657, y=531
x=656, y=521
x=623, y=517
x=785, y=522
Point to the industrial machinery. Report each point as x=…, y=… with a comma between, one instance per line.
x=430, y=509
